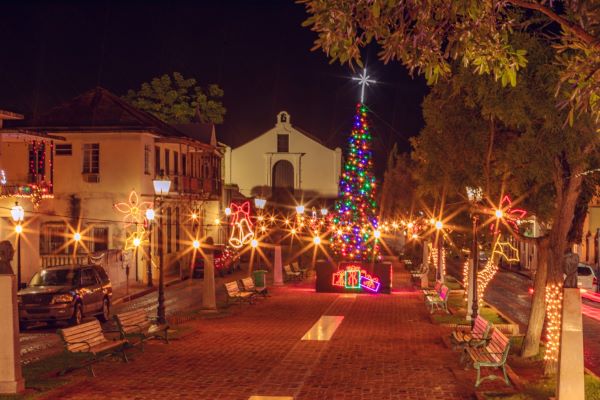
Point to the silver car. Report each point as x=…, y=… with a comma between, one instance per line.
x=65, y=293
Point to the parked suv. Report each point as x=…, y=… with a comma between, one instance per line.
x=65, y=293
x=586, y=277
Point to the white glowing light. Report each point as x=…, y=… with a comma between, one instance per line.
x=19, y=229
x=137, y=241
x=17, y=213
x=228, y=211
x=316, y=240
x=300, y=209
x=196, y=244
x=499, y=213
x=77, y=236
x=324, y=211
x=377, y=234
x=363, y=80
x=410, y=225
x=150, y=214
x=439, y=225
x=2, y=177
x=254, y=243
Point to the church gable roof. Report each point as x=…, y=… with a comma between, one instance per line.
x=284, y=121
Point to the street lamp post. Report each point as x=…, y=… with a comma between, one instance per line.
x=162, y=184
x=439, y=225
x=474, y=195
x=150, y=217
x=18, y=214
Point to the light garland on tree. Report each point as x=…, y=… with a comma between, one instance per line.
x=356, y=211
x=554, y=295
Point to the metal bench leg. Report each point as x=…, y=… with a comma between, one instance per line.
x=505, y=375
x=125, y=359
x=478, y=381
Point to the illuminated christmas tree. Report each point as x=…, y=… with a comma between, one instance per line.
x=356, y=233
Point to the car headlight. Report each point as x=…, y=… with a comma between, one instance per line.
x=62, y=298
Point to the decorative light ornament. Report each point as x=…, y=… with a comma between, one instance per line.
x=363, y=81
x=195, y=215
x=241, y=233
x=217, y=221
x=317, y=240
x=134, y=210
x=2, y=177
x=254, y=243
x=439, y=225
x=377, y=234
x=137, y=241
x=499, y=213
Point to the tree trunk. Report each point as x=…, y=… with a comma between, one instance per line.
x=568, y=187
x=531, y=342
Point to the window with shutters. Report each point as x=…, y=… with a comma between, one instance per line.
x=91, y=158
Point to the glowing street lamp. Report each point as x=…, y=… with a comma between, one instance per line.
x=254, y=243
x=260, y=203
x=475, y=195
x=324, y=211
x=228, y=211
x=77, y=237
x=162, y=184
x=439, y=225
x=499, y=213
x=150, y=215
x=18, y=215
x=317, y=240
x=196, y=244
x=377, y=234
x=300, y=209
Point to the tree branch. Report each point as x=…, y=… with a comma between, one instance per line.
x=575, y=29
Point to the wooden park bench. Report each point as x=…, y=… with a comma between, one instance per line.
x=296, y=268
x=465, y=336
x=493, y=355
x=137, y=324
x=438, y=301
x=249, y=286
x=435, y=291
x=291, y=275
x=87, y=339
x=234, y=293
x=416, y=273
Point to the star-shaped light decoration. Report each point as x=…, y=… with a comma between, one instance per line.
x=363, y=80
x=510, y=216
x=134, y=211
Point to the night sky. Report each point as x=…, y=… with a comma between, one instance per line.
x=255, y=50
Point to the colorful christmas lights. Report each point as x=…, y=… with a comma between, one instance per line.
x=354, y=277
x=356, y=211
x=553, y=318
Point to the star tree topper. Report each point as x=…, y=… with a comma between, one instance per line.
x=363, y=80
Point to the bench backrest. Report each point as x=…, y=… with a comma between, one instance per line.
x=498, y=346
x=89, y=332
x=248, y=283
x=438, y=286
x=444, y=292
x=481, y=329
x=295, y=266
x=232, y=288
x=135, y=317
x=287, y=268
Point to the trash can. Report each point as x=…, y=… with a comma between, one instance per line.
x=260, y=278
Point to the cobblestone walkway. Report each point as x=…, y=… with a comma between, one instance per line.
x=385, y=348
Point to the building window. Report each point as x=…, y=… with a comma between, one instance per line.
x=183, y=165
x=283, y=143
x=37, y=162
x=169, y=230
x=147, y=159
x=167, y=161
x=157, y=161
x=100, y=237
x=91, y=158
x=175, y=163
x=177, y=229
x=64, y=149
x=52, y=238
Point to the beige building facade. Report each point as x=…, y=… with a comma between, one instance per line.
x=90, y=155
x=284, y=158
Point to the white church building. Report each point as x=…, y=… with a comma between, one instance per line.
x=284, y=159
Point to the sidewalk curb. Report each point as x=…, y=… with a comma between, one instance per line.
x=129, y=297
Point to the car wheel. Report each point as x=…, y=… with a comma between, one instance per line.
x=77, y=315
x=105, y=315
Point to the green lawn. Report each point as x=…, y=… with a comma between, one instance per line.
x=545, y=389
x=458, y=304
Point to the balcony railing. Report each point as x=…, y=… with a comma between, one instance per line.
x=63, y=259
x=191, y=185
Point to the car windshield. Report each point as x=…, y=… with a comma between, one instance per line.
x=584, y=271
x=53, y=277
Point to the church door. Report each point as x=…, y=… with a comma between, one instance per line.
x=283, y=178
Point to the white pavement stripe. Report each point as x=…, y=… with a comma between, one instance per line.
x=324, y=328
x=271, y=398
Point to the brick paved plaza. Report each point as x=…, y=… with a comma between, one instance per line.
x=385, y=348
